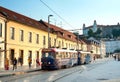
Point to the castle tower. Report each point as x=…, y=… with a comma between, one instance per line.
x=84, y=29
x=94, y=26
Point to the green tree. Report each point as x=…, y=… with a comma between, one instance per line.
x=117, y=51
x=98, y=31
x=90, y=33
x=115, y=33
x=108, y=36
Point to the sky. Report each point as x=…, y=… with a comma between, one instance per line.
x=74, y=13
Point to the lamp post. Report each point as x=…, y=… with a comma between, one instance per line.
x=49, y=30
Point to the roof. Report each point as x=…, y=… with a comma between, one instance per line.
x=11, y=15
x=42, y=25
x=61, y=32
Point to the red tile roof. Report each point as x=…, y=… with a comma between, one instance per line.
x=11, y=15
x=42, y=25
x=67, y=35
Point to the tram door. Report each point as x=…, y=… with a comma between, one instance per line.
x=12, y=52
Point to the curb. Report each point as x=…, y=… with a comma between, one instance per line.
x=6, y=75
x=18, y=72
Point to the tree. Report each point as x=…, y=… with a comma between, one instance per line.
x=108, y=36
x=90, y=33
x=98, y=31
x=115, y=33
x=117, y=51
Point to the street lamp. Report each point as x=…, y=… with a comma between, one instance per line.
x=49, y=30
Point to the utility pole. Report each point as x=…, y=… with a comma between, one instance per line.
x=49, y=30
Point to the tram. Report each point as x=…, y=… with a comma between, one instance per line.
x=85, y=57
x=53, y=58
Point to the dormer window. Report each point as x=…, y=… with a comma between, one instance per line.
x=62, y=33
x=69, y=36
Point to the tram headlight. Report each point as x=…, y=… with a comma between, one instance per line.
x=49, y=62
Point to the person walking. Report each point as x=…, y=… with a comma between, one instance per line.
x=14, y=63
x=6, y=64
x=115, y=57
x=37, y=62
x=29, y=62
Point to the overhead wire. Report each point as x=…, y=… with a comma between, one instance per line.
x=56, y=14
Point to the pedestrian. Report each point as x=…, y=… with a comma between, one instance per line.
x=20, y=61
x=115, y=57
x=14, y=63
x=37, y=62
x=29, y=62
x=6, y=64
x=94, y=58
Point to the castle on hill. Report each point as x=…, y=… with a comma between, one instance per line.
x=107, y=31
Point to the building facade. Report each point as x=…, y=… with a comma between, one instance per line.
x=111, y=46
x=2, y=39
x=26, y=37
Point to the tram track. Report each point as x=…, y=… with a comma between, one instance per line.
x=81, y=69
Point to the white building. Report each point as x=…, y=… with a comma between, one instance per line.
x=102, y=49
x=112, y=45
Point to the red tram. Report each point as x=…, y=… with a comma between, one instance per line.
x=58, y=58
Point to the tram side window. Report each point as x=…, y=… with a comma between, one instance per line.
x=73, y=55
x=66, y=54
x=70, y=55
x=58, y=55
x=62, y=55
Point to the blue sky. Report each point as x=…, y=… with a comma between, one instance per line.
x=75, y=12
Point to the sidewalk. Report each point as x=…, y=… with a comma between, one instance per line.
x=19, y=70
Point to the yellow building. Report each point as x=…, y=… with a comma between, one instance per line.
x=21, y=36
x=63, y=38
x=25, y=37
x=2, y=38
x=95, y=47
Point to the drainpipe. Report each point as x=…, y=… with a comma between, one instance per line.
x=5, y=43
x=5, y=38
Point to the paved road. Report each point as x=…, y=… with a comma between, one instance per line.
x=107, y=72
x=96, y=72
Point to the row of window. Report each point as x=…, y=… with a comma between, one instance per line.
x=21, y=38
x=37, y=38
x=12, y=35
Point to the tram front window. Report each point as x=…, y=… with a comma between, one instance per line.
x=48, y=54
